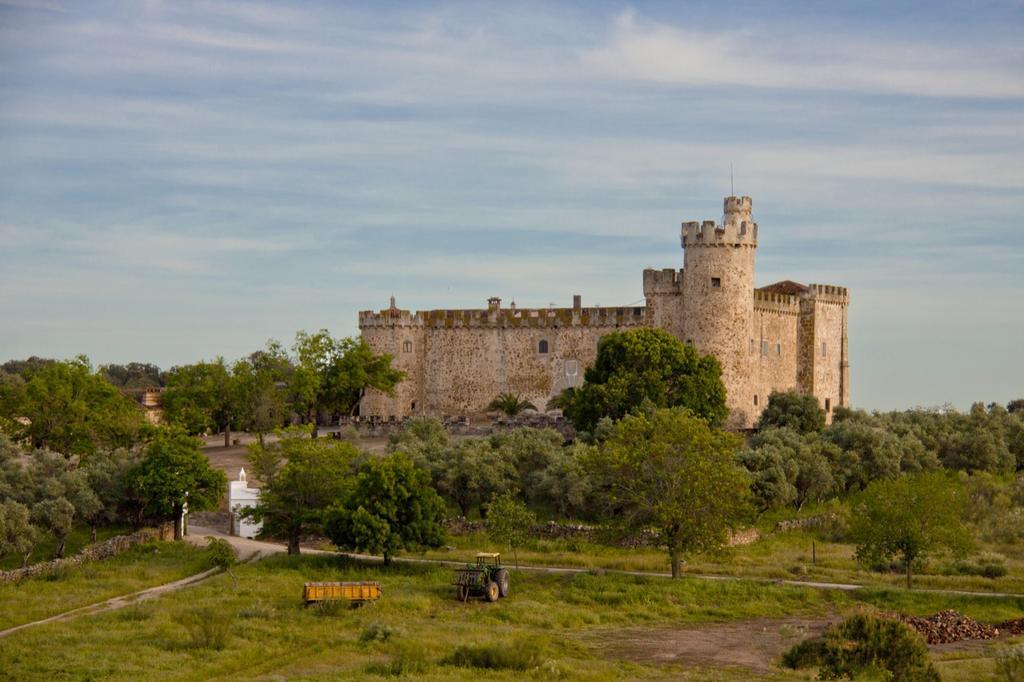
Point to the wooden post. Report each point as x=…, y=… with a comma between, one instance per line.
x=814, y=553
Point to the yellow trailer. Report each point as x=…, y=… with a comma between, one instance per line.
x=354, y=593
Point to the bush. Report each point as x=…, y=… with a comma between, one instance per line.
x=207, y=628
x=410, y=659
x=1010, y=663
x=519, y=655
x=375, y=632
x=866, y=646
x=219, y=554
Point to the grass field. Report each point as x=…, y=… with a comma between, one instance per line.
x=551, y=626
x=142, y=566
x=785, y=555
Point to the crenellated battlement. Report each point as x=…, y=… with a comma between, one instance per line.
x=775, y=302
x=709, y=233
x=829, y=293
x=738, y=205
x=630, y=316
x=665, y=281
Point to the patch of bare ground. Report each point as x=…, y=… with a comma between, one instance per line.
x=752, y=644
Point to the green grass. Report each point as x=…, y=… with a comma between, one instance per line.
x=786, y=556
x=547, y=625
x=80, y=536
x=142, y=566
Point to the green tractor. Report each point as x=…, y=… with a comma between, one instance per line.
x=485, y=579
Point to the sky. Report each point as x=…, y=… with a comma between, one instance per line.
x=182, y=180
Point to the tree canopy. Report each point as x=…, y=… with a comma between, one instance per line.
x=391, y=507
x=910, y=518
x=647, y=366
x=794, y=410
x=174, y=471
x=667, y=470
x=65, y=407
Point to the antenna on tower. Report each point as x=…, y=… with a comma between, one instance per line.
x=732, y=188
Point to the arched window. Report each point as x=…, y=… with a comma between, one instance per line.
x=407, y=347
x=542, y=347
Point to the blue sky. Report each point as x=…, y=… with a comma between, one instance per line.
x=180, y=180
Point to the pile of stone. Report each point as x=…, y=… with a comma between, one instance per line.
x=949, y=626
x=1012, y=627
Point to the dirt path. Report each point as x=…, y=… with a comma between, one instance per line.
x=256, y=547
x=118, y=602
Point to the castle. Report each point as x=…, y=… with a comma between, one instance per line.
x=774, y=338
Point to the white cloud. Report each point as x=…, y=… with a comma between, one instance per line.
x=652, y=51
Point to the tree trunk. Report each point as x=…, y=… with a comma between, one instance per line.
x=261, y=439
x=293, y=545
x=387, y=558
x=178, y=513
x=908, y=572
x=94, y=533
x=674, y=556
x=515, y=555
x=59, y=552
x=227, y=435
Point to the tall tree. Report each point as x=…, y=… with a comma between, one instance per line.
x=173, y=472
x=509, y=522
x=201, y=397
x=260, y=383
x=317, y=474
x=17, y=534
x=392, y=507
x=910, y=518
x=67, y=408
x=668, y=471
x=639, y=366
x=334, y=374
x=794, y=410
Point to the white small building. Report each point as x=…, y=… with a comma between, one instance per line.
x=240, y=495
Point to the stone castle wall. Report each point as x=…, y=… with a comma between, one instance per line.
x=458, y=361
x=770, y=339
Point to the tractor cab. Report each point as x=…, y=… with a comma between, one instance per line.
x=488, y=560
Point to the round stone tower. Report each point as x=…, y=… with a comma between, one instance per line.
x=718, y=297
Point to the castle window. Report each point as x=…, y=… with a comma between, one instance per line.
x=407, y=347
x=764, y=349
x=823, y=353
x=755, y=401
x=689, y=342
x=778, y=349
x=828, y=405
x=572, y=368
x=542, y=347
x=716, y=282
x=751, y=345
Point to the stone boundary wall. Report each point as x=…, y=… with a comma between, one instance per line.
x=809, y=522
x=95, y=552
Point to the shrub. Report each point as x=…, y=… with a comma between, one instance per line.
x=520, y=655
x=219, y=554
x=410, y=659
x=1010, y=663
x=375, y=632
x=866, y=647
x=207, y=628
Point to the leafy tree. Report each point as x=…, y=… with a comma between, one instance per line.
x=106, y=474
x=134, y=375
x=266, y=460
x=55, y=515
x=510, y=404
x=201, y=397
x=470, y=472
x=392, y=507
x=173, y=472
x=639, y=365
x=334, y=374
x=63, y=406
x=318, y=473
x=788, y=468
x=509, y=522
x=795, y=410
x=17, y=534
x=668, y=470
x=563, y=486
x=910, y=518
x=259, y=383
x=423, y=439
x=1015, y=406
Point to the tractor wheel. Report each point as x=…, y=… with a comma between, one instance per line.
x=462, y=592
x=491, y=591
x=502, y=579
